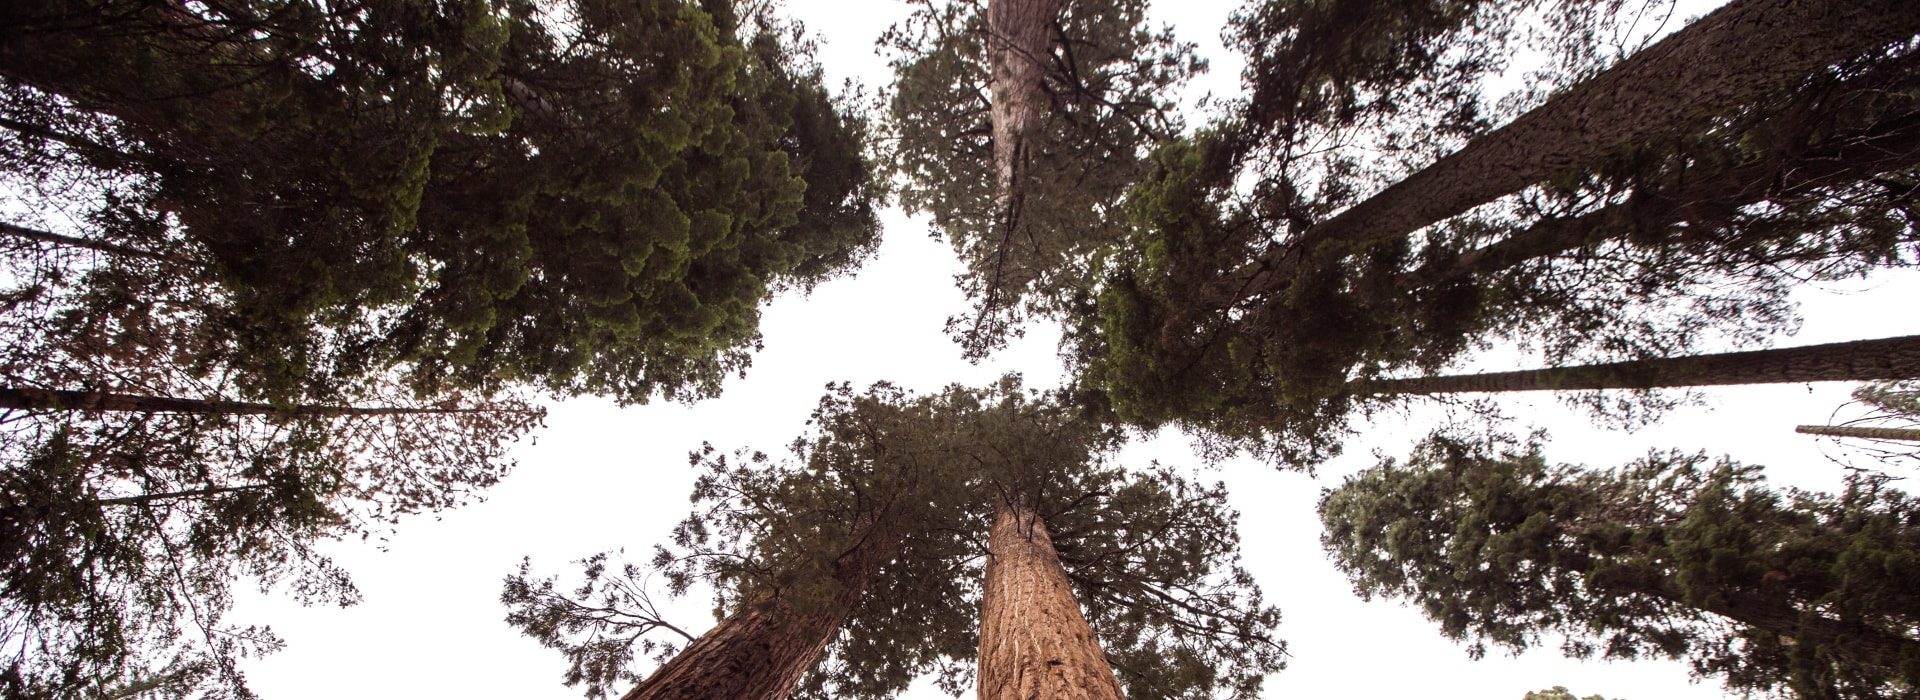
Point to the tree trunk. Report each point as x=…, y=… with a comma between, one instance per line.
x=1034, y=642
x=1891, y=145
x=763, y=649
x=1885, y=358
x=1857, y=642
x=1860, y=431
x=1018, y=49
x=30, y=399
x=7, y=229
x=1738, y=53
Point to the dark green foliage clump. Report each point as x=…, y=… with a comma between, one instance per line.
x=1673, y=555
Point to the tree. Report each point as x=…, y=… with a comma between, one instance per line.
x=1882, y=418
x=125, y=523
x=1558, y=692
x=922, y=480
x=1672, y=555
x=1640, y=252
x=1885, y=358
x=598, y=208
x=1086, y=84
x=1034, y=641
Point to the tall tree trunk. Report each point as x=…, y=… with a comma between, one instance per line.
x=1018, y=49
x=1885, y=358
x=1860, y=431
x=1888, y=146
x=1860, y=643
x=1736, y=54
x=30, y=399
x=1034, y=642
x=763, y=649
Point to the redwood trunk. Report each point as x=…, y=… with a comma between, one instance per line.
x=29, y=399
x=1892, y=145
x=763, y=649
x=1738, y=53
x=1018, y=49
x=1856, y=431
x=1885, y=358
x=1034, y=642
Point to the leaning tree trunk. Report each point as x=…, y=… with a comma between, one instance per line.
x=1885, y=358
x=1018, y=48
x=1740, y=52
x=1860, y=431
x=30, y=399
x=763, y=649
x=1855, y=640
x=1034, y=642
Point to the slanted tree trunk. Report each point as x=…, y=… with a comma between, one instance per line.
x=1018, y=47
x=763, y=649
x=30, y=399
x=1885, y=358
x=1892, y=145
x=1861, y=431
x=1034, y=642
x=1856, y=640
x=30, y=234
x=1738, y=53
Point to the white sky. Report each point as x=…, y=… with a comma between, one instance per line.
x=601, y=478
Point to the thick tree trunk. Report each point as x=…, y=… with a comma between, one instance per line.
x=1859, y=431
x=1018, y=47
x=29, y=399
x=1892, y=145
x=1885, y=358
x=1034, y=642
x=763, y=649
x=1742, y=51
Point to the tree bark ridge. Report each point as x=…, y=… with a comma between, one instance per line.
x=1035, y=644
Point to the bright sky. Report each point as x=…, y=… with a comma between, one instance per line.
x=599, y=478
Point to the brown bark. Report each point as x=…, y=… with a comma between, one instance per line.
x=1860, y=431
x=1734, y=55
x=763, y=649
x=1034, y=642
x=1885, y=358
x=1018, y=42
x=29, y=399
x=1892, y=145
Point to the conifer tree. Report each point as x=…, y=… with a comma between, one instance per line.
x=1019, y=142
x=1673, y=555
x=919, y=482
x=1640, y=251
x=480, y=202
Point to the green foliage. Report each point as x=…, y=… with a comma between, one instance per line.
x=594, y=197
x=1206, y=317
x=1558, y=692
x=1107, y=80
x=1672, y=555
x=1152, y=556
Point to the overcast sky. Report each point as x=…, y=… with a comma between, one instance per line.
x=599, y=478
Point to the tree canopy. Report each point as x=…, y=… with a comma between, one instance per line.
x=1152, y=555
x=1674, y=555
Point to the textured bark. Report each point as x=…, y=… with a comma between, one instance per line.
x=1860, y=431
x=29, y=399
x=1034, y=642
x=1017, y=53
x=1885, y=358
x=1742, y=51
x=1889, y=146
x=763, y=649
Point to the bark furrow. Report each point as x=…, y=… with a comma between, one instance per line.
x=1035, y=644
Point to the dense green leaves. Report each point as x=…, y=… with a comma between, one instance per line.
x=1673, y=555
x=594, y=197
x=1153, y=556
x=1107, y=79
